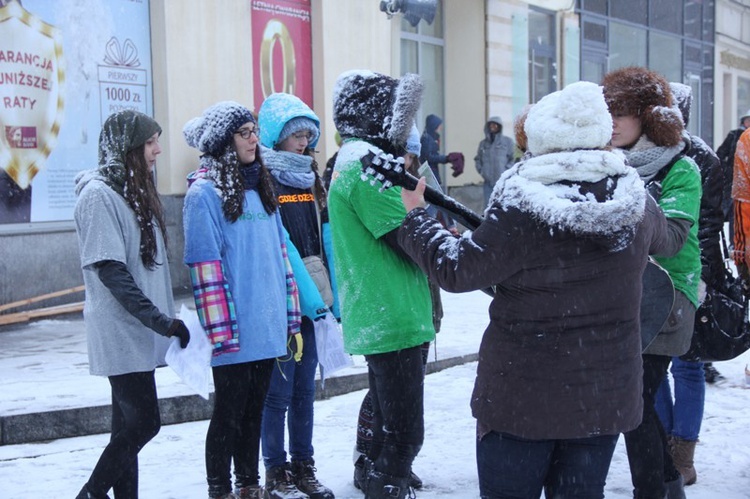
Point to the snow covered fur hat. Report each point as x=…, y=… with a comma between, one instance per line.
x=283, y=114
x=575, y=117
x=640, y=92
x=376, y=107
x=212, y=132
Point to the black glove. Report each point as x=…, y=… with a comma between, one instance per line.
x=179, y=329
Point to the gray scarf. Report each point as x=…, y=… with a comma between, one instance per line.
x=289, y=168
x=648, y=158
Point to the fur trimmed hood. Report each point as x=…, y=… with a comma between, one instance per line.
x=376, y=107
x=590, y=193
x=637, y=91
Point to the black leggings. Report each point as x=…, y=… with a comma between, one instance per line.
x=234, y=431
x=397, y=389
x=135, y=421
x=650, y=463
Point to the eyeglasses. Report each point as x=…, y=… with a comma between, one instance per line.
x=303, y=135
x=245, y=133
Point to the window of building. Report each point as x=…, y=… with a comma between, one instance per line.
x=635, y=11
x=666, y=17
x=422, y=53
x=672, y=37
x=743, y=98
x=665, y=55
x=627, y=46
x=542, y=54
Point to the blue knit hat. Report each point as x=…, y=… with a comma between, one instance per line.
x=299, y=124
x=212, y=132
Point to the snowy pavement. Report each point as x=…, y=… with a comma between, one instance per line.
x=36, y=377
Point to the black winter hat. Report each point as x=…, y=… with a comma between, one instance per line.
x=637, y=91
x=212, y=132
x=376, y=107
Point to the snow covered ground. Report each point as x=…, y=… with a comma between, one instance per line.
x=172, y=464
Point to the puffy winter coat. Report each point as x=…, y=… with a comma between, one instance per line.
x=711, y=219
x=495, y=154
x=561, y=357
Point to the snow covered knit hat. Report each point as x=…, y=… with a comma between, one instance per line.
x=413, y=142
x=299, y=124
x=280, y=110
x=683, y=98
x=575, y=117
x=375, y=107
x=640, y=92
x=212, y=132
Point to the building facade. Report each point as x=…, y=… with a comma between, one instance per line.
x=478, y=58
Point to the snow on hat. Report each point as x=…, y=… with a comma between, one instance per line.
x=280, y=109
x=212, y=132
x=413, y=143
x=683, y=98
x=299, y=124
x=376, y=107
x=575, y=117
x=645, y=94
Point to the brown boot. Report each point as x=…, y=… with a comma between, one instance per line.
x=682, y=453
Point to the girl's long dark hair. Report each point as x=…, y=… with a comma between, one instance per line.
x=140, y=194
x=234, y=200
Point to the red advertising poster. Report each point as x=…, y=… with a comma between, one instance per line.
x=282, y=49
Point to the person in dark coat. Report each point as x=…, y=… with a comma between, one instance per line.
x=430, y=149
x=565, y=241
x=682, y=416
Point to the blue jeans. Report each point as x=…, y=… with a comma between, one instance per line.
x=518, y=468
x=293, y=389
x=682, y=416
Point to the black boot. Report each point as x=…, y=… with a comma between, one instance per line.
x=307, y=482
x=675, y=489
x=85, y=493
x=382, y=486
x=362, y=468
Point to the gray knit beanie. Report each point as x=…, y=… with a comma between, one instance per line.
x=299, y=124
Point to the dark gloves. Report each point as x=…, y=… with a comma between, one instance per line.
x=179, y=329
x=456, y=159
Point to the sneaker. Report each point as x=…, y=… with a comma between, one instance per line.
x=251, y=492
x=713, y=376
x=280, y=483
x=305, y=480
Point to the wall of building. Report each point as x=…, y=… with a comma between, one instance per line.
x=732, y=61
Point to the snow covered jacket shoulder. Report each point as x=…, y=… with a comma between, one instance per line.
x=565, y=240
x=494, y=155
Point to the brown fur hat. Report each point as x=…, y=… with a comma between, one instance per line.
x=518, y=130
x=637, y=91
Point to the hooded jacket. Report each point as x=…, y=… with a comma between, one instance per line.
x=495, y=153
x=430, y=145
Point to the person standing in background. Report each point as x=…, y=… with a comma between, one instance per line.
x=494, y=155
x=129, y=306
x=236, y=251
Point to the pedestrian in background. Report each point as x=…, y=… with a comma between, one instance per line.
x=129, y=308
x=494, y=155
x=244, y=289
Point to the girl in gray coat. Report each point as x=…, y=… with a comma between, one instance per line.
x=122, y=236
